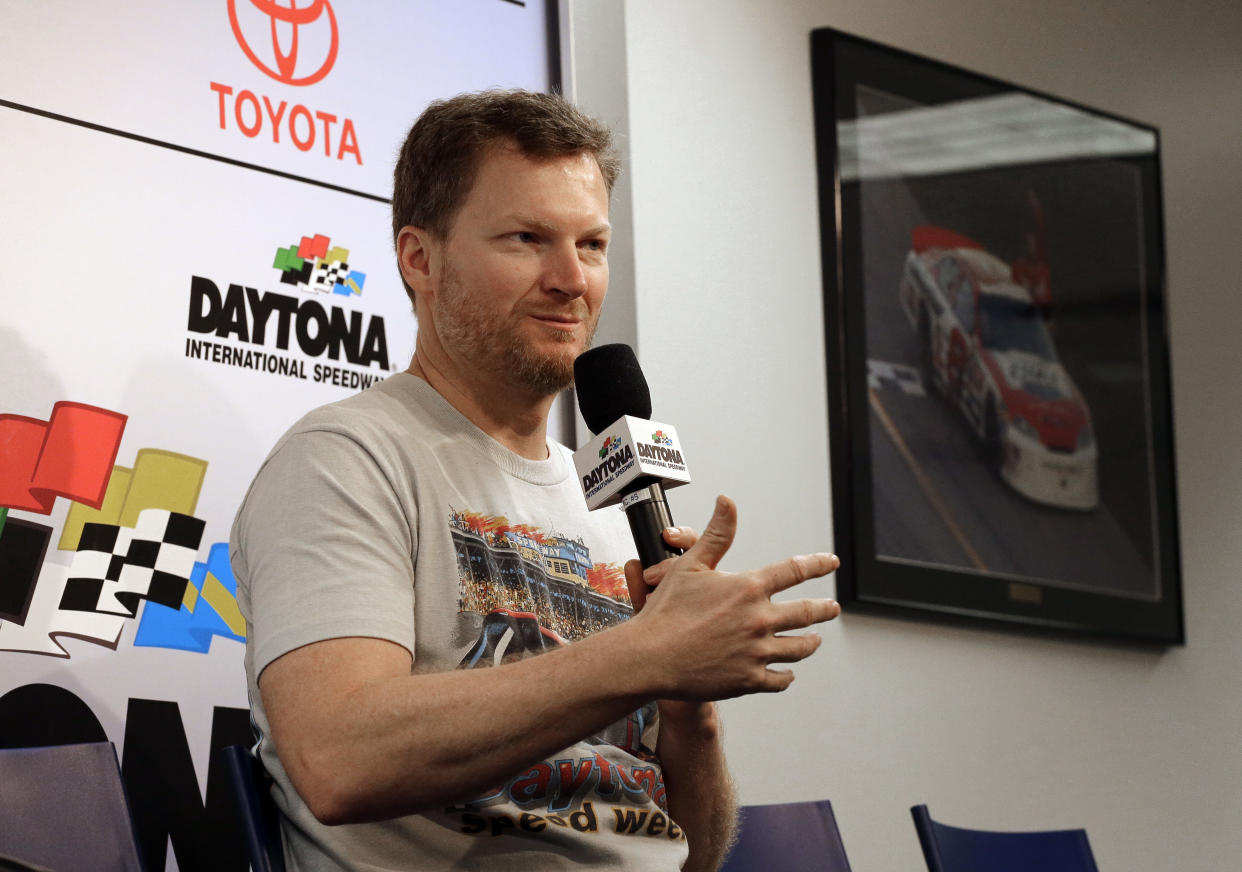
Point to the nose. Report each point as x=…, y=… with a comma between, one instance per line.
x=564, y=273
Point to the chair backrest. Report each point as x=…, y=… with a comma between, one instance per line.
x=953, y=849
x=257, y=811
x=64, y=807
x=791, y=837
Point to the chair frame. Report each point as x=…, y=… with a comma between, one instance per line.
x=71, y=796
x=1073, y=842
x=810, y=828
x=257, y=812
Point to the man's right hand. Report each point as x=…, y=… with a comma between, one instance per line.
x=713, y=635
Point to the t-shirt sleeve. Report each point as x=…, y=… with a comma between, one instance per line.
x=323, y=547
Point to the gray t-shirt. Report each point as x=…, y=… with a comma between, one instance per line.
x=390, y=515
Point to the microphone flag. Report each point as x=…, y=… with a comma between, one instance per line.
x=628, y=450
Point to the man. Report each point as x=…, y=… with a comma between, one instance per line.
x=396, y=543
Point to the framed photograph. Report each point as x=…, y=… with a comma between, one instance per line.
x=999, y=393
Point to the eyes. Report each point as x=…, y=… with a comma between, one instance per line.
x=592, y=244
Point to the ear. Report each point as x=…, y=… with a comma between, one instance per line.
x=418, y=252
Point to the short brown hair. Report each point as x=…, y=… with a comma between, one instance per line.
x=444, y=149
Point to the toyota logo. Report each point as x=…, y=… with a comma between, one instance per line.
x=286, y=63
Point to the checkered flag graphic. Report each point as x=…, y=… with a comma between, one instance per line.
x=337, y=272
x=115, y=567
x=327, y=274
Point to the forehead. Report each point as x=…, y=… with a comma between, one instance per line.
x=507, y=181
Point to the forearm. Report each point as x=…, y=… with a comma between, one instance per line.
x=404, y=743
x=363, y=739
x=697, y=782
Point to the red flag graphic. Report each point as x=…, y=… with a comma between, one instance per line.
x=70, y=455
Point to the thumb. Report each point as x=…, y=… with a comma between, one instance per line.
x=634, y=581
x=717, y=536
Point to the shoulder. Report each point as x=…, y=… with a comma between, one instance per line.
x=393, y=404
x=334, y=462
x=391, y=419
x=362, y=441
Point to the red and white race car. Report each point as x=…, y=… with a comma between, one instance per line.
x=987, y=350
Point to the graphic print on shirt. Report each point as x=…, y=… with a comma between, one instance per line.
x=536, y=590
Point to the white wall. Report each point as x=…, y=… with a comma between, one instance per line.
x=991, y=729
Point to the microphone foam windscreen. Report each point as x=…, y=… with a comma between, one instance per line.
x=610, y=384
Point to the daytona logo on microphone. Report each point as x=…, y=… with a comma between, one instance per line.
x=629, y=449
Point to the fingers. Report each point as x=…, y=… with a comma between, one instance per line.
x=786, y=649
x=680, y=537
x=776, y=680
x=653, y=575
x=717, y=535
x=634, y=581
x=796, y=615
x=792, y=649
x=795, y=570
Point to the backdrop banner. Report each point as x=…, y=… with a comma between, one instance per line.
x=195, y=209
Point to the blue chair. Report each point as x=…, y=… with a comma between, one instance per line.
x=260, y=819
x=791, y=837
x=953, y=849
x=64, y=807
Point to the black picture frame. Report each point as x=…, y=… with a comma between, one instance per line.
x=1001, y=436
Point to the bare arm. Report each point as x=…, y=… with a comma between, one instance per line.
x=696, y=776
x=697, y=781
x=363, y=739
x=698, y=785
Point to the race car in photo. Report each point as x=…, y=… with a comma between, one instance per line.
x=986, y=348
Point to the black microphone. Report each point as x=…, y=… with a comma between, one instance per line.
x=631, y=460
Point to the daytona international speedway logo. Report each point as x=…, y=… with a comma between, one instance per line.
x=611, y=444
x=306, y=336
x=659, y=437
x=314, y=264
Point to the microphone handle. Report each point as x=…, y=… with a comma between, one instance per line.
x=648, y=514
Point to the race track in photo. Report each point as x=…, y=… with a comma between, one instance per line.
x=937, y=500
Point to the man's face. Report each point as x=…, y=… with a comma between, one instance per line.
x=524, y=270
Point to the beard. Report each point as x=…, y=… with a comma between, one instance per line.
x=493, y=340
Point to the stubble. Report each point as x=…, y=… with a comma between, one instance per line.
x=493, y=341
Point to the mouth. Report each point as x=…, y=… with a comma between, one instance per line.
x=556, y=320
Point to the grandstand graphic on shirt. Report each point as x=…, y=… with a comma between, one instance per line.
x=542, y=585
x=536, y=590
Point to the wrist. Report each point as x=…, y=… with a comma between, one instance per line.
x=631, y=658
x=697, y=719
